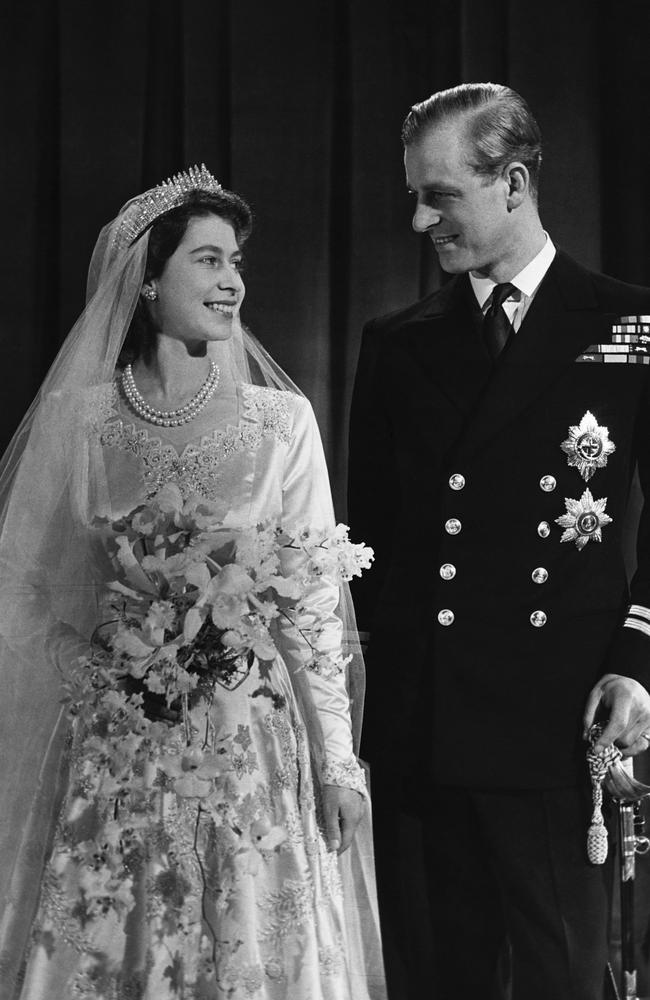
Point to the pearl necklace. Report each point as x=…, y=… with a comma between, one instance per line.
x=170, y=418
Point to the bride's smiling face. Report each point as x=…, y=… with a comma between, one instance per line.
x=200, y=289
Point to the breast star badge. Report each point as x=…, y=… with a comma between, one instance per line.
x=588, y=446
x=584, y=520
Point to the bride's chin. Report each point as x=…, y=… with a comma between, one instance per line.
x=224, y=334
x=200, y=347
x=221, y=331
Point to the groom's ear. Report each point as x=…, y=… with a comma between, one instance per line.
x=517, y=180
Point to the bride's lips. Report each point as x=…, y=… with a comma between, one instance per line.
x=225, y=308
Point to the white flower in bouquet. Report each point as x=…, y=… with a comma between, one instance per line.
x=193, y=603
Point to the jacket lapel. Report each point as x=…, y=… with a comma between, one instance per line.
x=561, y=322
x=445, y=343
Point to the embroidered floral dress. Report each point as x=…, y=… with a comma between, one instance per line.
x=235, y=895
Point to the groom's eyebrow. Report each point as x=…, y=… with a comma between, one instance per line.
x=441, y=188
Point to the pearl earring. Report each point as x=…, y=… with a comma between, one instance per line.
x=150, y=293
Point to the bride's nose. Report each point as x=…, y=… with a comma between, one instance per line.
x=231, y=279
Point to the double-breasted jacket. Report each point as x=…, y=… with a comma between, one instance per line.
x=489, y=619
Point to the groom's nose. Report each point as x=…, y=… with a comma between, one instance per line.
x=424, y=218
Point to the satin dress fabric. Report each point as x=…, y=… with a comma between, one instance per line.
x=237, y=895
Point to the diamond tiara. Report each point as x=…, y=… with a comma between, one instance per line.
x=145, y=209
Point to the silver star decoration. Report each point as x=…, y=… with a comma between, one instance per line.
x=584, y=520
x=588, y=446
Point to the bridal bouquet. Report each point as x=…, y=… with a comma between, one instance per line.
x=193, y=602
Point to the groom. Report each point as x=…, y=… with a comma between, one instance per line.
x=496, y=427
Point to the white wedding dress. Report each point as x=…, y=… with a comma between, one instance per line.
x=236, y=895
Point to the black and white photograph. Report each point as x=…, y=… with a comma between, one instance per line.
x=324, y=543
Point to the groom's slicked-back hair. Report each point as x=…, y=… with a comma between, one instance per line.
x=499, y=126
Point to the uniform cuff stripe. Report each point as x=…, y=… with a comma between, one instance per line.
x=640, y=611
x=640, y=626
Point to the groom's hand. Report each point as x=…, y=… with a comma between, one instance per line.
x=343, y=808
x=626, y=704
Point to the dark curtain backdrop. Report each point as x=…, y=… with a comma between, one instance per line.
x=298, y=107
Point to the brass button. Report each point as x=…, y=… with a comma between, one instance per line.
x=452, y=526
x=543, y=529
x=538, y=618
x=448, y=571
x=548, y=483
x=540, y=575
x=446, y=617
x=457, y=482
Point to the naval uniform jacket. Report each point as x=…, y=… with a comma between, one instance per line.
x=481, y=678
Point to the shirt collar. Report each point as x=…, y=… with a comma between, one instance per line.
x=527, y=281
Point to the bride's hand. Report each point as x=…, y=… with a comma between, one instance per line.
x=343, y=808
x=64, y=644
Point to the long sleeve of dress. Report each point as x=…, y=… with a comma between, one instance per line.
x=307, y=502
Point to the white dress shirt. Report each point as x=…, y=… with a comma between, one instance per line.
x=526, y=284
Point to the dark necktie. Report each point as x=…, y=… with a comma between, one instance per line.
x=496, y=325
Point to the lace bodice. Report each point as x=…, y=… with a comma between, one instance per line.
x=267, y=414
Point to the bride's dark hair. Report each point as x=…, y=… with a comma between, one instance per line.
x=165, y=235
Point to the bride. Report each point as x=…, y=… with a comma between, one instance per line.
x=252, y=891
